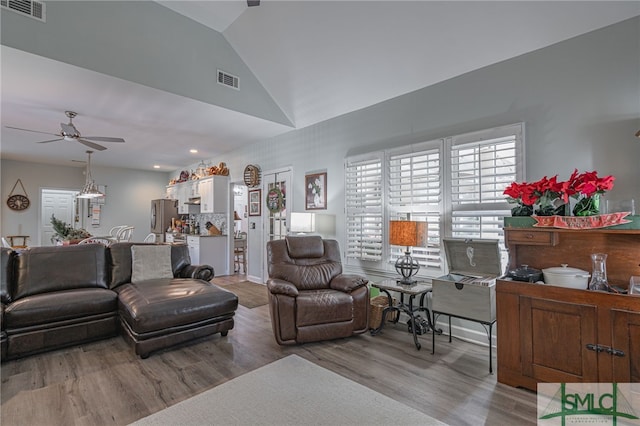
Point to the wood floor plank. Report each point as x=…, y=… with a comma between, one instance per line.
x=104, y=383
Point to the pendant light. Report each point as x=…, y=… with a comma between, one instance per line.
x=90, y=190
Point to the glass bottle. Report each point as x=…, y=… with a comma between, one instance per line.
x=599, y=274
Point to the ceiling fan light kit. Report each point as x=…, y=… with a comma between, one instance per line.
x=90, y=189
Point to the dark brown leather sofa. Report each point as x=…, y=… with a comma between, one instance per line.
x=54, y=297
x=310, y=298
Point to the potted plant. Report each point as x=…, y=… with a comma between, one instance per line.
x=66, y=234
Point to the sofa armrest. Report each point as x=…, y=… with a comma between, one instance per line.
x=277, y=286
x=348, y=282
x=202, y=272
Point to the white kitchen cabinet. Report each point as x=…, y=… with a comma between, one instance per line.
x=183, y=193
x=211, y=251
x=171, y=193
x=194, y=249
x=214, y=194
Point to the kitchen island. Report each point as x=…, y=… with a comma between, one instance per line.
x=210, y=250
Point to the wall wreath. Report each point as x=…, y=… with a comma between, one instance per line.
x=275, y=200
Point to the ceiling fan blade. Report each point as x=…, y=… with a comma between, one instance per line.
x=91, y=144
x=103, y=139
x=52, y=140
x=35, y=131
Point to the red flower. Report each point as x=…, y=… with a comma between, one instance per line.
x=522, y=193
x=588, y=183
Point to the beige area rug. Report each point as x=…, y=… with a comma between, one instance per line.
x=250, y=295
x=290, y=391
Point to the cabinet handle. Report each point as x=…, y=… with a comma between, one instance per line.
x=595, y=348
x=615, y=352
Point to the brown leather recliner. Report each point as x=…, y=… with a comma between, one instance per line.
x=309, y=297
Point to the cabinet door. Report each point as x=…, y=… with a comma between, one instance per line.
x=554, y=340
x=626, y=339
x=194, y=249
x=205, y=189
x=171, y=193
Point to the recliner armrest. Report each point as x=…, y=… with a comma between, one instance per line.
x=277, y=286
x=348, y=282
x=202, y=272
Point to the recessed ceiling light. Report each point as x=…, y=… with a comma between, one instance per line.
x=155, y=166
x=193, y=151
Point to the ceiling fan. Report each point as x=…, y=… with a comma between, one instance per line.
x=68, y=132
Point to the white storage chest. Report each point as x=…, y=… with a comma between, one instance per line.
x=468, y=291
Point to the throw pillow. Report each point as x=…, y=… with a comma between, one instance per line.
x=150, y=262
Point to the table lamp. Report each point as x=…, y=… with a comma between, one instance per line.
x=302, y=223
x=407, y=233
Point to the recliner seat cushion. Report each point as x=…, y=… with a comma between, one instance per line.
x=322, y=307
x=48, y=308
x=154, y=305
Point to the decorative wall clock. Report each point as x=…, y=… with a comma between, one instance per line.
x=18, y=202
x=252, y=175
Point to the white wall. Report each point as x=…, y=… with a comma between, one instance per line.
x=580, y=100
x=128, y=200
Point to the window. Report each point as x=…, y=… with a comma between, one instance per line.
x=455, y=184
x=363, y=189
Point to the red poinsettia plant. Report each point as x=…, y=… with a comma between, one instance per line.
x=587, y=188
x=552, y=197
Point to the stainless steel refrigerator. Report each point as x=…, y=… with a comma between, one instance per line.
x=162, y=211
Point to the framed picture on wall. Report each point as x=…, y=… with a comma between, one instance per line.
x=316, y=191
x=255, y=206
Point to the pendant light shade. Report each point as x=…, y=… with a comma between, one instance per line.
x=90, y=190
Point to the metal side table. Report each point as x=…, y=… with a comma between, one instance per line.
x=418, y=289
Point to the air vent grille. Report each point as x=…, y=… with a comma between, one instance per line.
x=32, y=9
x=229, y=80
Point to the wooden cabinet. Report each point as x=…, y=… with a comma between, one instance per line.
x=553, y=334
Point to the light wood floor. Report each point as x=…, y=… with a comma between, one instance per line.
x=104, y=383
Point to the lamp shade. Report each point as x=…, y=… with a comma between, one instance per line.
x=236, y=216
x=407, y=233
x=302, y=222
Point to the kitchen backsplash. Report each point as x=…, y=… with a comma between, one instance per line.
x=218, y=219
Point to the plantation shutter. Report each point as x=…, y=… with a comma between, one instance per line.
x=364, y=208
x=482, y=165
x=415, y=193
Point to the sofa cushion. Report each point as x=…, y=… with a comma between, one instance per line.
x=48, y=308
x=153, y=305
x=47, y=269
x=150, y=262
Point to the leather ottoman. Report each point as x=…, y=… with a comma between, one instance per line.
x=163, y=312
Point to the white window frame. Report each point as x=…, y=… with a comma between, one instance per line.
x=443, y=216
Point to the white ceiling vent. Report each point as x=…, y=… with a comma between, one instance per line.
x=32, y=9
x=227, y=79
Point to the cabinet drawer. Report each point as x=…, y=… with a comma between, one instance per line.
x=540, y=238
x=471, y=301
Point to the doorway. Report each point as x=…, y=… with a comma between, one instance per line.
x=240, y=226
x=64, y=205
x=276, y=215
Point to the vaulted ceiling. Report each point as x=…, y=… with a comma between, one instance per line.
x=146, y=71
